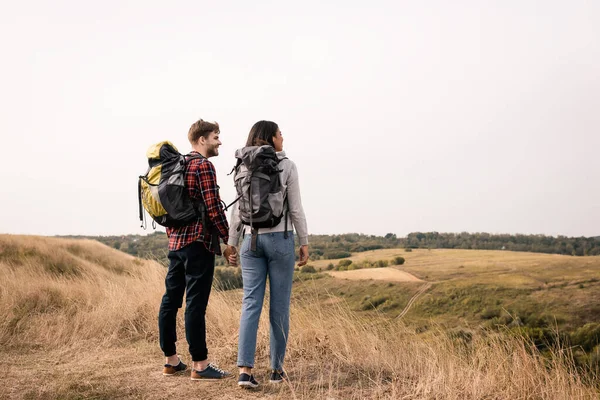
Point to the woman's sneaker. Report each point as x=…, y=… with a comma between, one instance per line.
x=210, y=372
x=247, y=381
x=171, y=370
x=278, y=376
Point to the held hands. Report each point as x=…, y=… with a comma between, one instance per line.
x=231, y=255
x=303, y=253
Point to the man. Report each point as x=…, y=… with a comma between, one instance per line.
x=192, y=250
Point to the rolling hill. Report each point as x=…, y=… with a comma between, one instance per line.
x=78, y=320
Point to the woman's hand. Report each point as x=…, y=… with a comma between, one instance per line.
x=303, y=253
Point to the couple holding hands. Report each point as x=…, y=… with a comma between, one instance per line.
x=264, y=252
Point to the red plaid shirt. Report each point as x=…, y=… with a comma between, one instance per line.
x=201, y=183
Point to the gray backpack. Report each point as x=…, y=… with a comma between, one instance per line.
x=261, y=196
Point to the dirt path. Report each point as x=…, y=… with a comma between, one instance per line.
x=423, y=289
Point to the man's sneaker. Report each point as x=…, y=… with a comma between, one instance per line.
x=210, y=372
x=278, y=376
x=247, y=381
x=171, y=370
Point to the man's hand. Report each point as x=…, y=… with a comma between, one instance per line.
x=231, y=255
x=303, y=253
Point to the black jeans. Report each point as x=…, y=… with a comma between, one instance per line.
x=191, y=271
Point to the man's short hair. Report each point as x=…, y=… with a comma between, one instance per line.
x=201, y=128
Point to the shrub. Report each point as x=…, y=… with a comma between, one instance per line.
x=227, y=278
x=344, y=263
x=587, y=336
x=369, y=302
x=490, y=313
x=336, y=254
x=381, y=264
x=308, y=269
x=408, y=249
x=398, y=260
x=330, y=267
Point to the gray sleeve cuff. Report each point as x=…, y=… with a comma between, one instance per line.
x=233, y=241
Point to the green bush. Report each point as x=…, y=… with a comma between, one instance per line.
x=381, y=264
x=588, y=336
x=227, y=278
x=344, y=262
x=330, y=266
x=490, y=313
x=308, y=269
x=336, y=254
x=408, y=249
x=398, y=260
x=369, y=303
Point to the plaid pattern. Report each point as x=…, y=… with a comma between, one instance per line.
x=201, y=182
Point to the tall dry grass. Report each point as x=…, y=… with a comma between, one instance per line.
x=58, y=296
x=56, y=292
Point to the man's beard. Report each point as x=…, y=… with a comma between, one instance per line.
x=212, y=151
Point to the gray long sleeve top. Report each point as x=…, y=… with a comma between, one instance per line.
x=296, y=217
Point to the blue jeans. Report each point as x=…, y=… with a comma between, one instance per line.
x=273, y=258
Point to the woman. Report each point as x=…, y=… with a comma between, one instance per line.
x=272, y=256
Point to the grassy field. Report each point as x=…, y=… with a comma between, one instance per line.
x=78, y=320
x=548, y=297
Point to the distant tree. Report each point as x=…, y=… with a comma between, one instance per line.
x=398, y=260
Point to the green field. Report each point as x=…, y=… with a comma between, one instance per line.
x=545, y=296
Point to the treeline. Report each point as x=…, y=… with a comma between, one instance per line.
x=574, y=246
x=332, y=247
x=329, y=247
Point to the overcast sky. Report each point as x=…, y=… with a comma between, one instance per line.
x=478, y=116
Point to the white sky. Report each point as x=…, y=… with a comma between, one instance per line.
x=479, y=116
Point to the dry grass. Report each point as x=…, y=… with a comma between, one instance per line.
x=379, y=274
x=78, y=320
x=485, y=266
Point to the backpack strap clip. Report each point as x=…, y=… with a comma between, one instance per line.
x=286, y=205
x=253, y=239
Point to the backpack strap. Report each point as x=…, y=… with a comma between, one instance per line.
x=287, y=212
x=143, y=223
x=189, y=157
x=285, y=203
x=226, y=207
x=236, y=166
x=199, y=205
x=253, y=239
x=254, y=230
